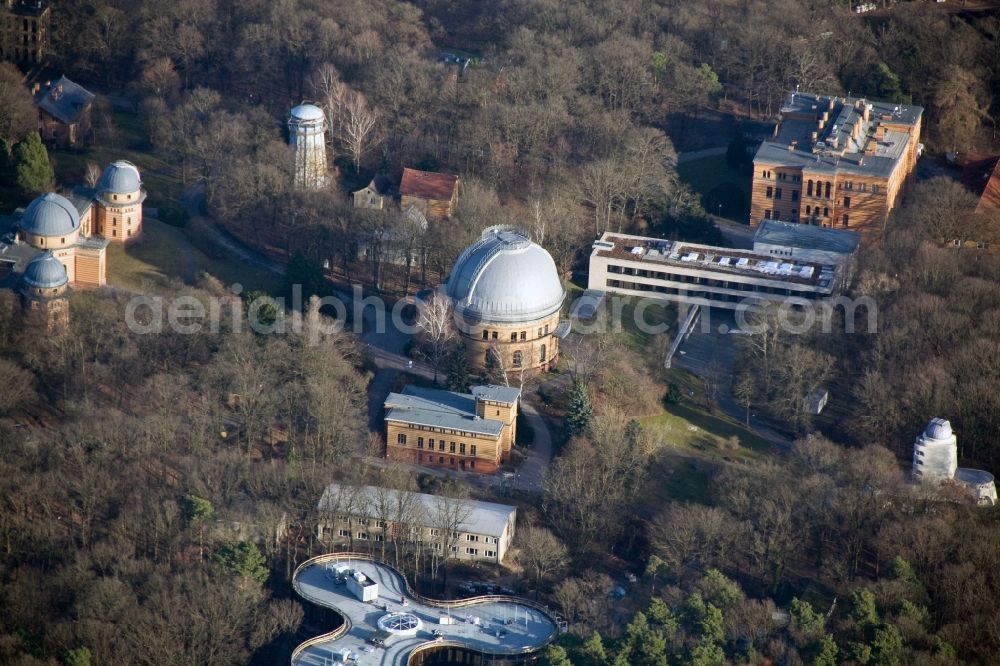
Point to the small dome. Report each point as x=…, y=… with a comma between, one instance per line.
x=120, y=177
x=307, y=112
x=50, y=215
x=938, y=429
x=504, y=277
x=45, y=272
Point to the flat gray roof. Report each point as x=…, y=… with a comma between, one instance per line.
x=484, y=518
x=505, y=394
x=439, y=409
x=807, y=236
x=836, y=147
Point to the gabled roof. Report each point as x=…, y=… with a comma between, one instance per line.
x=982, y=178
x=428, y=185
x=64, y=100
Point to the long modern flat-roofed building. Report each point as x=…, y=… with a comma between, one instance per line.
x=369, y=513
x=835, y=161
x=718, y=276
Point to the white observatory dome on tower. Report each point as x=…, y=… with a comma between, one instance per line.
x=935, y=453
x=935, y=458
x=504, y=277
x=307, y=137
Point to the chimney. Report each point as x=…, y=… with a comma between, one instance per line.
x=815, y=137
x=880, y=132
x=826, y=116
x=821, y=124
x=830, y=104
x=866, y=113
x=35, y=88
x=791, y=146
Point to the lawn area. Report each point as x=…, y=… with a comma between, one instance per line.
x=724, y=191
x=678, y=478
x=163, y=253
x=129, y=142
x=640, y=326
x=706, y=435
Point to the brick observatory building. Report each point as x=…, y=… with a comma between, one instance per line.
x=468, y=431
x=835, y=162
x=507, y=297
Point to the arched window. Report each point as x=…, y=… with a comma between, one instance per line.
x=518, y=359
x=541, y=355
x=486, y=334
x=809, y=188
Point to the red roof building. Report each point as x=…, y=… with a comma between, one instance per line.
x=434, y=194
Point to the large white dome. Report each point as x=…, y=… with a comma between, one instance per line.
x=505, y=278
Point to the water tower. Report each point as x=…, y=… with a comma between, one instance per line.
x=307, y=137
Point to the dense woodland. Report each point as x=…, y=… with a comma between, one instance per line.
x=151, y=478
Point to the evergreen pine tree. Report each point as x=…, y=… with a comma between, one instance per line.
x=456, y=368
x=32, y=170
x=579, y=413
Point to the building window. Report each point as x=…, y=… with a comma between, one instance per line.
x=401, y=438
x=767, y=215
x=491, y=553
x=440, y=460
x=777, y=193
x=809, y=188
x=524, y=336
x=518, y=359
x=116, y=197
x=795, y=195
x=826, y=212
x=827, y=189
x=420, y=442
x=874, y=189
x=513, y=337
x=451, y=448
x=363, y=536
x=486, y=334
x=461, y=448
x=472, y=537
x=494, y=336
x=546, y=329
x=472, y=551
x=345, y=533
x=430, y=444
x=441, y=445
x=541, y=354
x=472, y=450
x=539, y=333
x=770, y=192
x=845, y=219
x=847, y=202
x=451, y=461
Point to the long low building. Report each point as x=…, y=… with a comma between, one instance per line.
x=469, y=529
x=799, y=261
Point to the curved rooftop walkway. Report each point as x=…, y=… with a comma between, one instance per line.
x=506, y=625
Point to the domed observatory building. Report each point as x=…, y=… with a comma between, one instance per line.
x=307, y=137
x=507, y=297
x=935, y=453
x=54, y=223
x=119, y=197
x=43, y=291
x=935, y=459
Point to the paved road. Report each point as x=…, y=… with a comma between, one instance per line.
x=497, y=626
x=698, y=154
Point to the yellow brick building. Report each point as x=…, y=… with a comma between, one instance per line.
x=474, y=431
